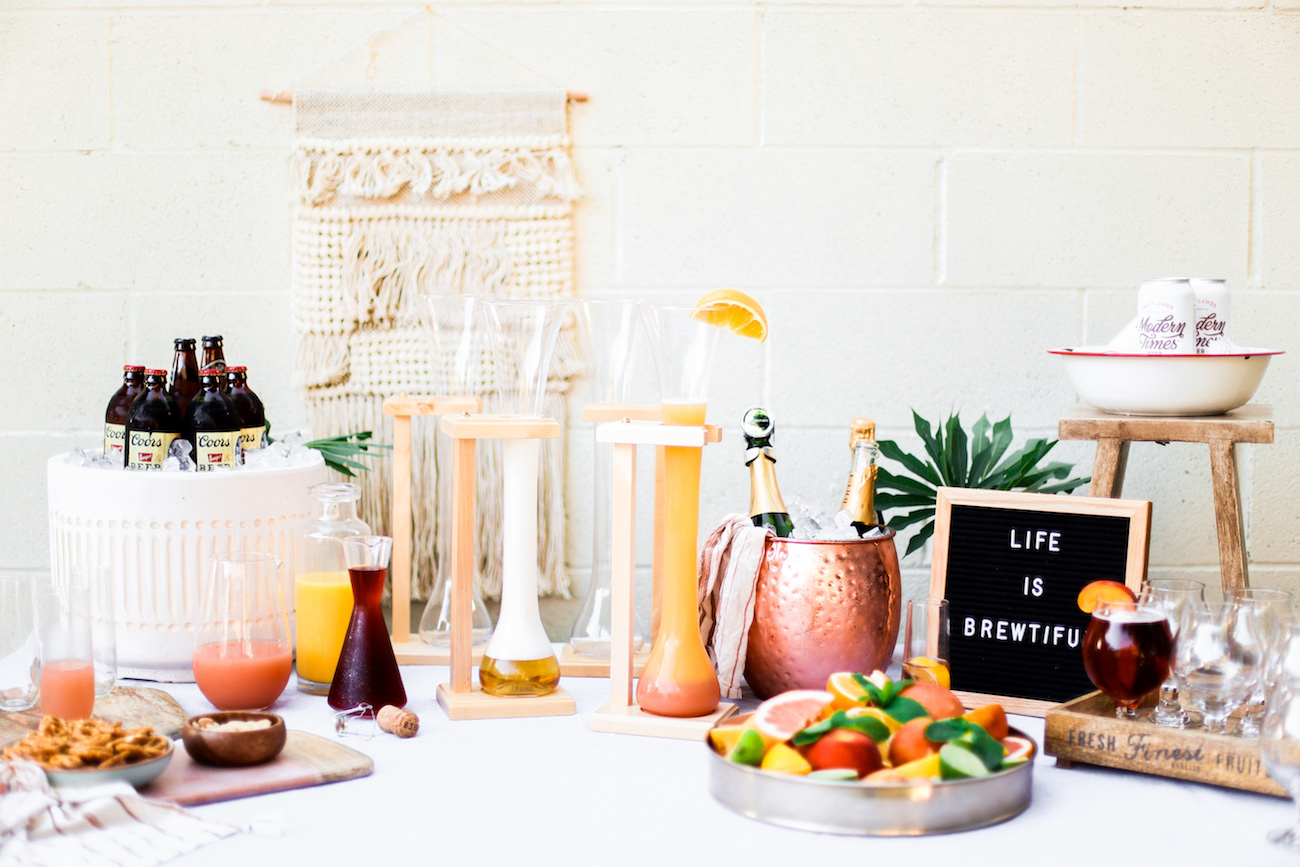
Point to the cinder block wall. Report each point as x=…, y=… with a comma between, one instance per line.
x=924, y=195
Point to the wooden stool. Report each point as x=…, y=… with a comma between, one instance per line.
x=1252, y=423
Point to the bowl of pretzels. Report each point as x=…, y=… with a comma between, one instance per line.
x=92, y=751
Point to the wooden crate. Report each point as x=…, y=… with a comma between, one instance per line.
x=1086, y=731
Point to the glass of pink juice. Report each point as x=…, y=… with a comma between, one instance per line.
x=242, y=655
x=67, y=668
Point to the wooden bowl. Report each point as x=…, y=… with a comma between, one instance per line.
x=234, y=749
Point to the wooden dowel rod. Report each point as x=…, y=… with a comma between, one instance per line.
x=286, y=96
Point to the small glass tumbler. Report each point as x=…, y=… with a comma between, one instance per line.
x=99, y=583
x=925, y=642
x=1178, y=597
x=67, y=684
x=1269, y=607
x=19, y=647
x=1217, y=663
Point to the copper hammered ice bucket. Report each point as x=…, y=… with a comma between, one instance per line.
x=822, y=607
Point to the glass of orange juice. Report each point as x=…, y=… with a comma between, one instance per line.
x=67, y=680
x=242, y=655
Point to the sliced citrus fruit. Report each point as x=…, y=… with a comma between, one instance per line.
x=893, y=724
x=923, y=669
x=1103, y=591
x=749, y=749
x=958, y=763
x=724, y=738
x=785, y=759
x=921, y=769
x=778, y=718
x=1018, y=749
x=991, y=717
x=846, y=690
x=733, y=310
x=834, y=774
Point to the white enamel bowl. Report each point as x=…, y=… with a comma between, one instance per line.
x=1164, y=385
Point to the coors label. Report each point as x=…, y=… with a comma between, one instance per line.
x=1167, y=317
x=215, y=450
x=114, y=439
x=146, y=450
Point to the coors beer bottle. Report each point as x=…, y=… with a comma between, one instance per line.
x=214, y=357
x=212, y=424
x=185, y=374
x=118, y=405
x=152, y=423
x=252, y=417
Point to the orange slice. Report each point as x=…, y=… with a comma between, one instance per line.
x=778, y=718
x=1103, y=591
x=892, y=724
x=920, y=769
x=724, y=738
x=733, y=310
x=846, y=690
x=785, y=759
x=992, y=717
x=923, y=669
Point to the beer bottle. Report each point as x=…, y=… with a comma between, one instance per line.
x=214, y=357
x=252, y=417
x=766, y=509
x=212, y=424
x=185, y=374
x=860, y=493
x=152, y=423
x=118, y=404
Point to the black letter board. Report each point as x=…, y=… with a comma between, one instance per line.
x=1011, y=566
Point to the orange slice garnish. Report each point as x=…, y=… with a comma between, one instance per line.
x=1103, y=591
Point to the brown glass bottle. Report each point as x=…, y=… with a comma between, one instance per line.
x=214, y=356
x=252, y=417
x=118, y=405
x=212, y=424
x=152, y=423
x=184, y=382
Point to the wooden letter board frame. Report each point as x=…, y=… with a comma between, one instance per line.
x=1134, y=564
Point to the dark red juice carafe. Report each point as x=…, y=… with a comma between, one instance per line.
x=367, y=669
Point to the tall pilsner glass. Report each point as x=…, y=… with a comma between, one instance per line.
x=610, y=330
x=452, y=325
x=518, y=659
x=679, y=679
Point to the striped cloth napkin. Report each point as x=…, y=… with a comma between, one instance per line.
x=95, y=825
x=728, y=576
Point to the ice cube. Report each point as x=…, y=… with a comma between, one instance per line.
x=842, y=519
x=171, y=465
x=77, y=458
x=874, y=532
x=101, y=461
x=180, y=450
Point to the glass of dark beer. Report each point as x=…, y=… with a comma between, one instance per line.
x=1127, y=652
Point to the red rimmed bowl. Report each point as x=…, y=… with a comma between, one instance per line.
x=1164, y=385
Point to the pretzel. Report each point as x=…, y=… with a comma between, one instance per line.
x=87, y=745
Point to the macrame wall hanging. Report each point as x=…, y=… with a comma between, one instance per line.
x=403, y=193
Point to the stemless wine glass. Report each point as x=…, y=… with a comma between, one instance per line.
x=1279, y=740
x=1217, y=664
x=1127, y=651
x=1268, y=607
x=1175, y=596
x=925, y=641
x=242, y=656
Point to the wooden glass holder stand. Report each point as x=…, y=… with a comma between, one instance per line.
x=1252, y=423
x=463, y=699
x=407, y=646
x=573, y=663
x=622, y=715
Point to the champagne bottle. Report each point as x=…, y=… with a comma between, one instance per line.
x=860, y=493
x=766, y=509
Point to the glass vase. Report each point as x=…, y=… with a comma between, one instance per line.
x=367, y=669
x=679, y=679
x=518, y=659
x=451, y=322
x=609, y=331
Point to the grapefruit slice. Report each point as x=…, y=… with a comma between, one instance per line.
x=1018, y=749
x=1103, y=591
x=778, y=718
x=734, y=311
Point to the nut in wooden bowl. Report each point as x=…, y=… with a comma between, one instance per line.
x=234, y=738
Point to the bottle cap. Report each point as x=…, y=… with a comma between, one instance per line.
x=184, y=342
x=155, y=372
x=861, y=429
x=212, y=337
x=210, y=371
x=239, y=368
x=138, y=367
x=756, y=423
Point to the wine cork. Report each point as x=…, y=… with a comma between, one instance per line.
x=395, y=720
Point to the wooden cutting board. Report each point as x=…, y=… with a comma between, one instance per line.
x=307, y=760
x=134, y=706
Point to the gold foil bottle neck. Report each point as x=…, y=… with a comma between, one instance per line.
x=861, y=429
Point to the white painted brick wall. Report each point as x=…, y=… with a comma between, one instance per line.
x=925, y=196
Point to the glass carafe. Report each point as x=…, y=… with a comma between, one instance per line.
x=518, y=659
x=451, y=322
x=679, y=679
x=609, y=330
x=367, y=668
x=322, y=590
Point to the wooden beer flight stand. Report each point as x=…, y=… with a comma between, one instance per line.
x=622, y=715
x=1252, y=423
x=463, y=699
x=407, y=646
x=572, y=662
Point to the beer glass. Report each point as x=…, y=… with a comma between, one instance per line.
x=1177, y=596
x=19, y=649
x=1127, y=651
x=1279, y=739
x=67, y=684
x=1218, y=662
x=1268, y=607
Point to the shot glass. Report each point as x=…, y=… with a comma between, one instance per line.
x=67, y=680
x=925, y=641
x=19, y=646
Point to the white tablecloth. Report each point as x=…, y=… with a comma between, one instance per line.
x=550, y=791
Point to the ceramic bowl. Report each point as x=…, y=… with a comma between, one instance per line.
x=1164, y=385
x=139, y=774
x=234, y=749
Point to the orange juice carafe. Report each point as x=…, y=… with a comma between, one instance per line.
x=679, y=679
x=322, y=588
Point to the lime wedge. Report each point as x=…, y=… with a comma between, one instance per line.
x=958, y=763
x=749, y=750
x=834, y=774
